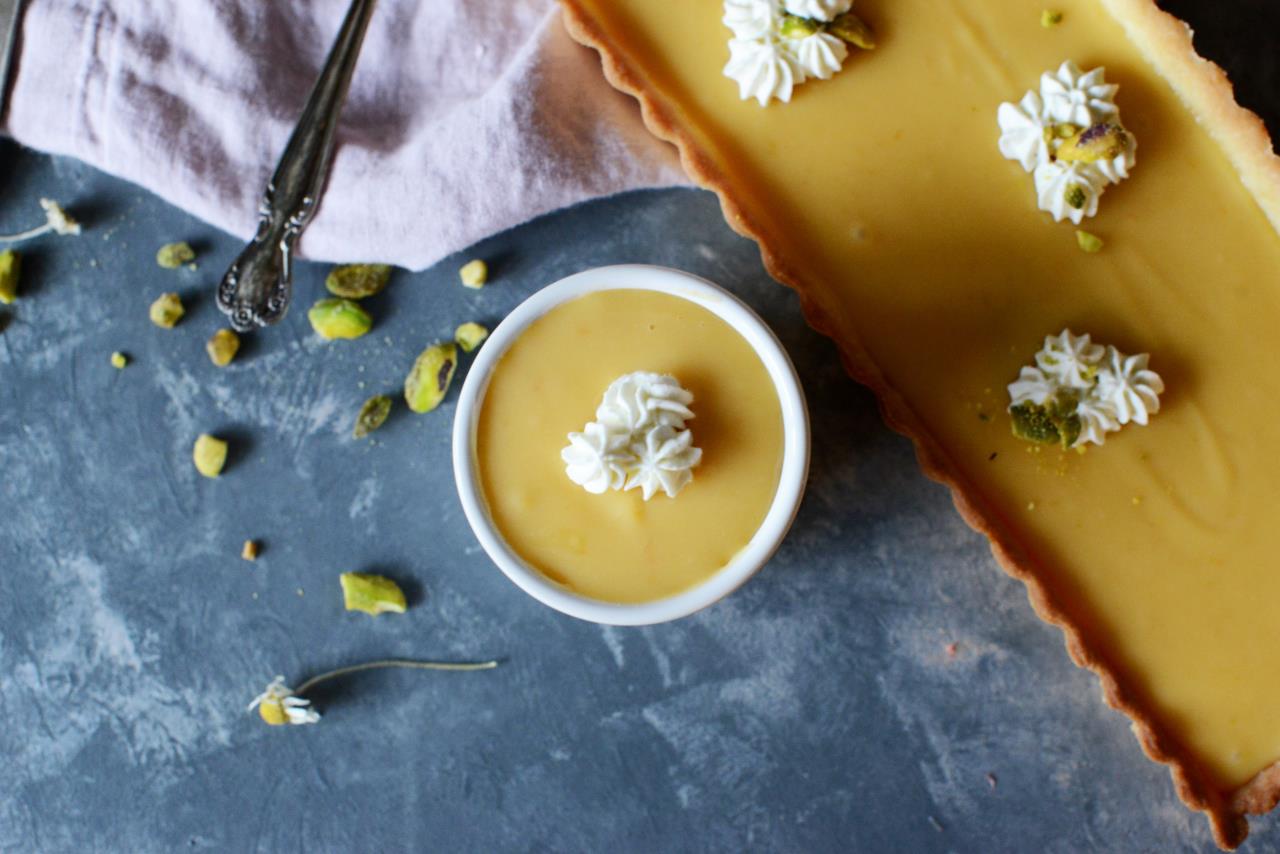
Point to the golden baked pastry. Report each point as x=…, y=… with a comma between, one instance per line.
x=881, y=197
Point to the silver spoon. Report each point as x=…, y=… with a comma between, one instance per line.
x=255, y=291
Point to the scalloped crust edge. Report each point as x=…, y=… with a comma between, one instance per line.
x=1206, y=91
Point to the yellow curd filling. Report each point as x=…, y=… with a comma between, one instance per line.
x=884, y=190
x=616, y=546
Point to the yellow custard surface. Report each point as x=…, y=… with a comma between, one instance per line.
x=617, y=547
x=884, y=191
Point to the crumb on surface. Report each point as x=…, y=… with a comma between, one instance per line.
x=250, y=550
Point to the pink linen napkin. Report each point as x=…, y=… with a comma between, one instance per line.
x=465, y=117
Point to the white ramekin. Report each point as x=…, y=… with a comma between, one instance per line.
x=795, y=457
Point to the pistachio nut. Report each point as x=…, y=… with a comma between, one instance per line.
x=429, y=379
x=372, y=594
x=852, y=29
x=339, y=318
x=10, y=270
x=357, y=281
x=1103, y=141
x=119, y=360
x=373, y=414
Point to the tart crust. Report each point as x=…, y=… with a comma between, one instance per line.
x=1203, y=87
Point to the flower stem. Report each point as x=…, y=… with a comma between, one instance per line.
x=392, y=662
x=26, y=235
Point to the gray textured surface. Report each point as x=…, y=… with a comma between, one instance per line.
x=816, y=709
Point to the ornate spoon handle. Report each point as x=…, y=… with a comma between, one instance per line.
x=255, y=291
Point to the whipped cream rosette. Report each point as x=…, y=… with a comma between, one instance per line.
x=1078, y=392
x=639, y=439
x=1070, y=137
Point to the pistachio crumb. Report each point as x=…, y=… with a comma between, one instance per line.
x=250, y=550
x=1090, y=243
x=167, y=310
x=222, y=347
x=1050, y=18
x=209, y=455
x=119, y=360
x=796, y=27
x=470, y=336
x=1031, y=505
x=474, y=274
x=1075, y=196
x=171, y=256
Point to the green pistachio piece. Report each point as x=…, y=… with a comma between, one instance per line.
x=1050, y=18
x=339, y=318
x=357, y=281
x=1075, y=196
x=210, y=455
x=1090, y=243
x=470, y=336
x=1104, y=141
x=10, y=270
x=852, y=29
x=796, y=27
x=167, y=310
x=372, y=415
x=474, y=274
x=1053, y=423
x=372, y=594
x=119, y=360
x=429, y=379
x=222, y=347
x=171, y=256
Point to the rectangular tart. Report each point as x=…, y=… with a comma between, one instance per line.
x=880, y=196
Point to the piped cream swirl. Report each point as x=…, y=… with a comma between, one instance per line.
x=639, y=439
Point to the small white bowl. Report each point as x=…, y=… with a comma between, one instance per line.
x=795, y=456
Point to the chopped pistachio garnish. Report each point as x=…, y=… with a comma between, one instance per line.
x=1090, y=243
x=171, y=256
x=339, y=318
x=474, y=274
x=1050, y=18
x=796, y=27
x=852, y=29
x=10, y=271
x=250, y=550
x=222, y=347
x=428, y=381
x=1104, y=141
x=470, y=336
x=372, y=415
x=357, y=281
x=1075, y=196
x=209, y=454
x=1050, y=424
x=119, y=360
x=167, y=310
x=372, y=594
